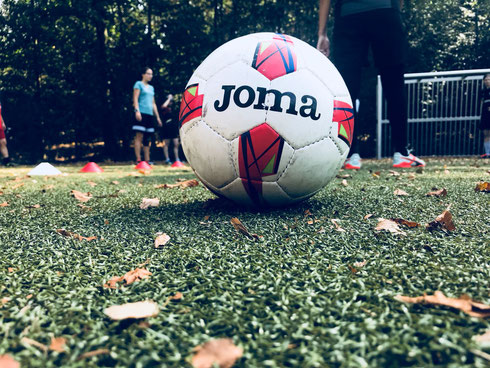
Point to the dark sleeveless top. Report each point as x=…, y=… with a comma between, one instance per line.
x=349, y=7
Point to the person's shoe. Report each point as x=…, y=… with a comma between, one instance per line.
x=151, y=163
x=407, y=161
x=353, y=162
x=10, y=164
x=168, y=162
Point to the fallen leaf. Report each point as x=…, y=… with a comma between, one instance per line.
x=82, y=197
x=28, y=341
x=344, y=183
x=482, y=186
x=177, y=296
x=18, y=185
x=359, y=264
x=106, y=222
x=183, y=184
x=337, y=226
x=389, y=225
x=58, y=344
x=394, y=173
x=136, y=275
x=5, y=300
x=70, y=234
x=446, y=172
x=399, y=192
x=444, y=221
x=145, y=172
x=410, y=224
x=464, y=303
x=93, y=353
x=111, y=284
x=91, y=183
x=437, y=193
x=239, y=227
x=149, y=202
x=368, y=216
x=307, y=213
x=411, y=176
x=83, y=207
x=220, y=352
x=485, y=338
x=10, y=269
x=4, y=204
x=115, y=182
x=352, y=269
x=6, y=361
x=34, y=206
x=161, y=240
x=137, y=310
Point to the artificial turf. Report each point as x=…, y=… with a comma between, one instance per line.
x=295, y=296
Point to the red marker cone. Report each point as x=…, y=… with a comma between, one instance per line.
x=177, y=164
x=91, y=167
x=143, y=165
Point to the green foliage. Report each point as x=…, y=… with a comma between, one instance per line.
x=67, y=67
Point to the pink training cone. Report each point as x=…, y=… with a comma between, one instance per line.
x=143, y=165
x=177, y=164
x=91, y=167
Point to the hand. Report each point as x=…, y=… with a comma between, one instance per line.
x=137, y=115
x=170, y=96
x=323, y=45
x=159, y=122
x=4, y=127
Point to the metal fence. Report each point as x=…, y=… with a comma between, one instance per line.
x=443, y=114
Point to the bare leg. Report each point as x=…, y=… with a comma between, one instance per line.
x=3, y=148
x=176, y=149
x=166, y=143
x=146, y=152
x=138, y=139
x=486, y=141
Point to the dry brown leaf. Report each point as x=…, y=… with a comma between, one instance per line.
x=177, y=296
x=70, y=234
x=5, y=300
x=136, y=275
x=149, y=202
x=115, y=182
x=221, y=352
x=368, y=216
x=447, y=172
x=411, y=176
x=4, y=204
x=28, y=341
x=399, y=192
x=482, y=186
x=437, y=193
x=237, y=224
x=182, y=184
x=34, y=206
x=344, y=183
x=394, y=173
x=307, y=213
x=464, y=303
x=6, y=361
x=444, y=221
x=485, y=338
x=58, y=344
x=18, y=185
x=82, y=197
x=111, y=284
x=359, y=264
x=137, y=310
x=389, y=225
x=93, y=353
x=91, y=183
x=106, y=222
x=10, y=269
x=161, y=240
x=337, y=226
x=410, y=224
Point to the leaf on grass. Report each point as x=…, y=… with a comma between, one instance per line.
x=5, y=300
x=58, y=344
x=220, y=352
x=136, y=275
x=437, y=192
x=482, y=186
x=70, y=234
x=91, y=183
x=485, y=338
x=6, y=361
x=368, y=216
x=399, y=192
x=4, y=204
x=359, y=264
x=444, y=221
x=115, y=182
x=344, y=183
x=237, y=224
x=394, y=173
x=34, y=206
x=177, y=296
x=82, y=197
x=149, y=202
x=28, y=341
x=161, y=240
x=410, y=224
x=136, y=310
x=93, y=353
x=464, y=303
x=111, y=284
x=337, y=226
x=389, y=225
x=182, y=184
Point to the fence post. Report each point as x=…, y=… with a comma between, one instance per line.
x=379, y=100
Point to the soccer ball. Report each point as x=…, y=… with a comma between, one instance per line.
x=266, y=120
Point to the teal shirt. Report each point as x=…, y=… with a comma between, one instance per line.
x=145, y=100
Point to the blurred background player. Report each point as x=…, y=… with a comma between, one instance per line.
x=485, y=116
x=170, y=130
x=376, y=24
x=3, y=142
x=144, y=109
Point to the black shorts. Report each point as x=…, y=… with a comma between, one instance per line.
x=146, y=125
x=169, y=130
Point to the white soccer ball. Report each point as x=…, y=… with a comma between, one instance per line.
x=266, y=120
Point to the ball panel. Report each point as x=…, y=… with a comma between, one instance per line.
x=311, y=168
x=209, y=154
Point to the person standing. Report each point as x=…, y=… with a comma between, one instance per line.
x=485, y=116
x=170, y=130
x=376, y=24
x=144, y=110
x=3, y=142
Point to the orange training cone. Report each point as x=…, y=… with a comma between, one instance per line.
x=143, y=165
x=91, y=167
x=177, y=164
